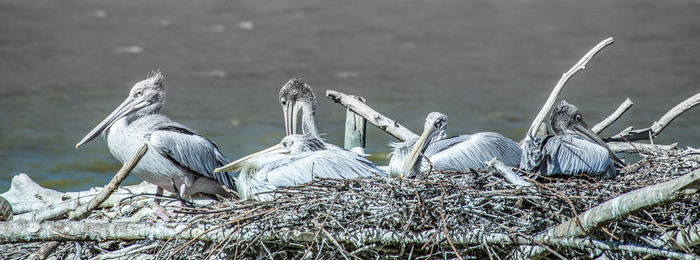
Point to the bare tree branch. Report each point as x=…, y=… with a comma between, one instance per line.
x=580, y=65
x=382, y=122
x=658, y=126
x=613, y=117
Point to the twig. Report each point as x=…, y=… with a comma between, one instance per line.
x=657, y=126
x=580, y=65
x=382, y=122
x=613, y=117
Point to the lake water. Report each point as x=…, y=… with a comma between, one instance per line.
x=489, y=65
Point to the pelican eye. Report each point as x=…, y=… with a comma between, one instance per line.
x=283, y=102
x=437, y=124
x=287, y=143
x=138, y=93
x=578, y=117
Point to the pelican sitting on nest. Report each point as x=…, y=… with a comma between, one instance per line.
x=296, y=160
x=178, y=159
x=455, y=153
x=573, y=149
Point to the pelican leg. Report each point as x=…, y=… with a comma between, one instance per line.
x=159, y=193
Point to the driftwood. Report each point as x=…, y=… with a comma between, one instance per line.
x=613, y=117
x=580, y=65
x=382, y=122
x=621, y=206
x=83, y=211
x=633, y=147
x=629, y=135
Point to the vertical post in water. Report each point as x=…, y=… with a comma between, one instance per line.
x=355, y=128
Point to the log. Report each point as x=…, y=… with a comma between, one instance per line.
x=355, y=128
x=612, y=117
x=629, y=135
x=580, y=65
x=34, y=231
x=619, y=207
x=382, y=122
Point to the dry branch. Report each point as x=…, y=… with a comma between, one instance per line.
x=580, y=65
x=620, y=207
x=621, y=147
x=658, y=126
x=382, y=122
x=83, y=211
x=613, y=117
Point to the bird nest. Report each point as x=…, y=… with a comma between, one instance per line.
x=474, y=214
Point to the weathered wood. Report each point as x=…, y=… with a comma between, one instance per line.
x=622, y=147
x=658, y=126
x=382, y=122
x=355, y=128
x=580, y=65
x=5, y=210
x=506, y=172
x=613, y=117
x=83, y=211
x=619, y=207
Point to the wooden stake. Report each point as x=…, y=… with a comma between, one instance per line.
x=355, y=128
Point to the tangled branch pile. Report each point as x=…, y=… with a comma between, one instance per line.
x=442, y=214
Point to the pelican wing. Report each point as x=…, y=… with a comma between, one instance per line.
x=302, y=168
x=471, y=151
x=569, y=155
x=399, y=154
x=191, y=151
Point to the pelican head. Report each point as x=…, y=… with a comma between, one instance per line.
x=146, y=97
x=291, y=144
x=435, y=128
x=567, y=120
x=296, y=95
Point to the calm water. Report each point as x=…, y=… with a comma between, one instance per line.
x=488, y=65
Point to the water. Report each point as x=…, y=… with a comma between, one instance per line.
x=488, y=65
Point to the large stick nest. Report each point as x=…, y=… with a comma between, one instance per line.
x=433, y=215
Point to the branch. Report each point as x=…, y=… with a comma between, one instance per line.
x=621, y=206
x=683, y=238
x=580, y=65
x=657, y=126
x=84, y=211
x=613, y=117
x=622, y=147
x=505, y=171
x=33, y=231
x=387, y=124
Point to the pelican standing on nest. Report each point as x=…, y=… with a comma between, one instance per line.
x=178, y=159
x=573, y=149
x=455, y=153
x=296, y=160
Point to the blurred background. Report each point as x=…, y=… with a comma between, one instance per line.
x=489, y=65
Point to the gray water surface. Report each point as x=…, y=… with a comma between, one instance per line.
x=488, y=65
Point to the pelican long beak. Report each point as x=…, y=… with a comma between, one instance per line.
x=290, y=112
x=275, y=149
x=419, y=147
x=128, y=106
x=582, y=131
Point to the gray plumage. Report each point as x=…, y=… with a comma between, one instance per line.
x=572, y=150
x=298, y=159
x=455, y=153
x=176, y=156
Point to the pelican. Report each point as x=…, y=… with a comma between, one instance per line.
x=296, y=160
x=455, y=153
x=178, y=159
x=573, y=149
x=296, y=95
